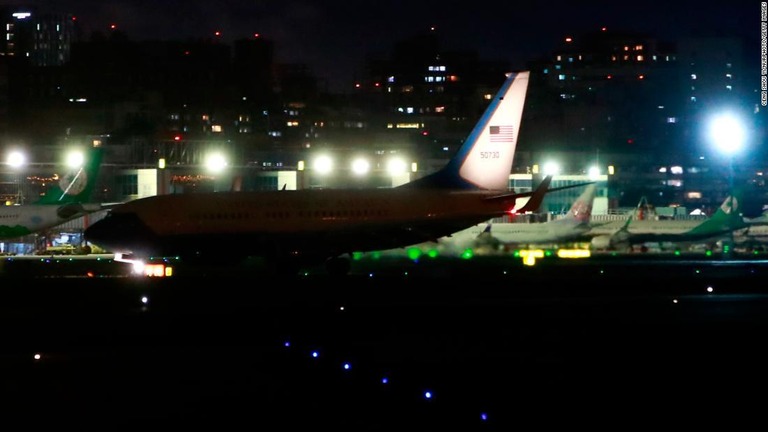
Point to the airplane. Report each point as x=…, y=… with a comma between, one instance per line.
x=293, y=228
x=571, y=228
x=69, y=199
x=458, y=242
x=723, y=223
x=495, y=238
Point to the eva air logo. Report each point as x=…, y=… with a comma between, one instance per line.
x=73, y=182
x=729, y=205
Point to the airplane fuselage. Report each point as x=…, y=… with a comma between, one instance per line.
x=18, y=221
x=315, y=222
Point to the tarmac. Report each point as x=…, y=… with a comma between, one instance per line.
x=399, y=344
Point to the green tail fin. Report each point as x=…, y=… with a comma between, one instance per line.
x=76, y=185
x=728, y=216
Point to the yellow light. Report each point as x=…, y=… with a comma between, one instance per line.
x=573, y=253
x=529, y=256
x=536, y=253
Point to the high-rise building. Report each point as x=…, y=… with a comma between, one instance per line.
x=42, y=38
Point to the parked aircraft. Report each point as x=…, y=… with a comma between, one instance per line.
x=291, y=228
x=471, y=238
x=478, y=238
x=70, y=198
x=573, y=227
x=720, y=225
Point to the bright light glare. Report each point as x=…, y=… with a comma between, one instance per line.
x=594, y=173
x=728, y=133
x=551, y=168
x=215, y=162
x=396, y=166
x=360, y=166
x=16, y=159
x=323, y=164
x=75, y=159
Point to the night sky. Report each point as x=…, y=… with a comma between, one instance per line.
x=333, y=36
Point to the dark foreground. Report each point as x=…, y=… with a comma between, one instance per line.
x=498, y=346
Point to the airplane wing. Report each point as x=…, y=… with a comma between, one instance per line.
x=68, y=211
x=514, y=195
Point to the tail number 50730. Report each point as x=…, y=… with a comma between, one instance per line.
x=489, y=155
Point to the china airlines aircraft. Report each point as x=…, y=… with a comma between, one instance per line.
x=291, y=228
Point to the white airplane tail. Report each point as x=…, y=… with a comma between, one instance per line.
x=581, y=209
x=485, y=159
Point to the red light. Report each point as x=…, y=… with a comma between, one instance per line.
x=177, y=137
x=113, y=26
x=256, y=35
x=569, y=39
x=74, y=18
x=609, y=77
x=630, y=141
x=218, y=33
x=424, y=133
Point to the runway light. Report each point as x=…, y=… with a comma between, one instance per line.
x=385, y=380
x=573, y=253
x=347, y=366
x=315, y=354
x=287, y=344
x=427, y=394
x=37, y=356
x=674, y=301
x=414, y=253
x=483, y=416
x=710, y=289
x=529, y=256
x=144, y=299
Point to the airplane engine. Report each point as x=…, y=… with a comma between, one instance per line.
x=602, y=242
x=617, y=241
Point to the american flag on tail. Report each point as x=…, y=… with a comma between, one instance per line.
x=502, y=134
